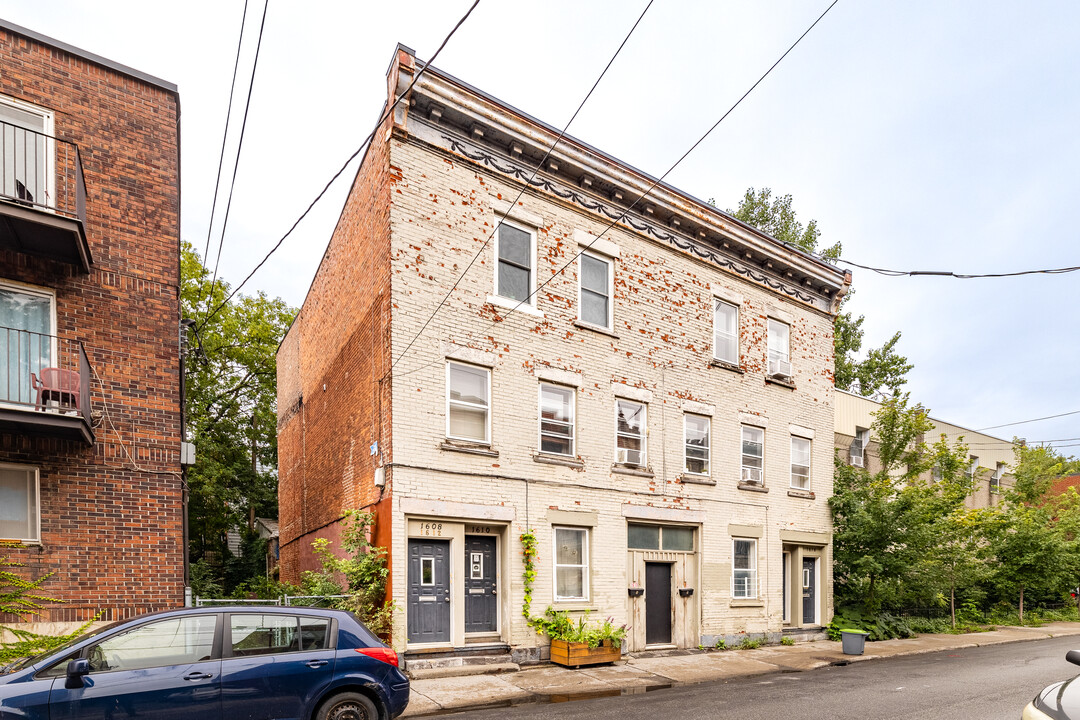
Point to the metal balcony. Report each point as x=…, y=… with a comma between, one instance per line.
x=42, y=197
x=44, y=386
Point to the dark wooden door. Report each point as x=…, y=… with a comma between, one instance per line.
x=657, y=603
x=481, y=604
x=429, y=591
x=809, y=591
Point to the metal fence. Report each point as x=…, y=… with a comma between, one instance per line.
x=284, y=600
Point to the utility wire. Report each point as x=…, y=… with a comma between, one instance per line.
x=336, y=175
x=224, y=137
x=495, y=229
x=961, y=276
x=652, y=187
x=239, y=147
x=1025, y=422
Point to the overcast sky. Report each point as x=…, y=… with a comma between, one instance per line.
x=921, y=135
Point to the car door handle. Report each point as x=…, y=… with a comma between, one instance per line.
x=198, y=676
x=315, y=663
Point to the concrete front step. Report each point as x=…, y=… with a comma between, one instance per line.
x=460, y=670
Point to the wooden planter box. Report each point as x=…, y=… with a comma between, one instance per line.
x=577, y=654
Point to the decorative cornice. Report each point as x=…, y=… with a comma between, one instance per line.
x=523, y=173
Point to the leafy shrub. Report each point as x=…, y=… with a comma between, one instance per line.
x=787, y=641
x=721, y=644
x=882, y=626
x=749, y=643
x=557, y=625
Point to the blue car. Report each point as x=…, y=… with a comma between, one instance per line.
x=222, y=663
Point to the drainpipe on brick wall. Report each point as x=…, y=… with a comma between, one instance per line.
x=185, y=325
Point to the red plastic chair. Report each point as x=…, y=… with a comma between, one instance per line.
x=63, y=386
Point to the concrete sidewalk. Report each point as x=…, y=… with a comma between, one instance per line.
x=641, y=671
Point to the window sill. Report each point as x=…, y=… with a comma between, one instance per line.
x=594, y=328
x=469, y=448
x=635, y=470
x=509, y=304
x=800, y=493
x=573, y=606
x=696, y=479
x=752, y=487
x=723, y=364
x=746, y=602
x=782, y=383
x=564, y=460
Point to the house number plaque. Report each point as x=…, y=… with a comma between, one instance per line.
x=431, y=529
x=479, y=529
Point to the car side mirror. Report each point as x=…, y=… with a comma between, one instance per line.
x=75, y=671
x=1073, y=656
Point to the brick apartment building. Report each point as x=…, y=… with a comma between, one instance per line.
x=90, y=484
x=992, y=459
x=660, y=414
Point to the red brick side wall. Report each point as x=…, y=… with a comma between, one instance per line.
x=111, y=534
x=329, y=395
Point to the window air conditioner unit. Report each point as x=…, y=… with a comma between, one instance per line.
x=856, y=460
x=751, y=476
x=626, y=456
x=779, y=368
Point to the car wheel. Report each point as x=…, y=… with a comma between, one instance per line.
x=348, y=706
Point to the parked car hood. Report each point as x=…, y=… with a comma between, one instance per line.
x=1060, y=700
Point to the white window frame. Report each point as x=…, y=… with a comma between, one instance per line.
x=584, y=566
x=49, y=130
x=531, y=302
x=742, y=467
x=540, y=419
x=862, y=437
x=753, y=570
x=52, y=334
x=717, y=302
x=708, y=446
x=36, y=471
x=487, y=408
x=610, y=324
x=785, y=356
x=809, y=461
x=644, y=432
x=973, y=467
x=995, y=479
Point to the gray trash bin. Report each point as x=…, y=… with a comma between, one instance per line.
x=854, y=641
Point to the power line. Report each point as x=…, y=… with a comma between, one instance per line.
x=336, y=175
x=652, y=187
x=961, y=276
x=1024, y=422
x=239, y=147
x=224, y=137
x=495, y=229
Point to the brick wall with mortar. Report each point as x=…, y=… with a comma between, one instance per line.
x=443, y=206
x=112, y=534
x=331, y=405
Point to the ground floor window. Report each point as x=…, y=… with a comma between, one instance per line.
x=571, y=563
x=744, y=573
x=19, y=503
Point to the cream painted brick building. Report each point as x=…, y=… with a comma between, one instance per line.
x=658, y=410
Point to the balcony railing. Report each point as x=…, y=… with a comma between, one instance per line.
x=44, y=384
x=44, y=174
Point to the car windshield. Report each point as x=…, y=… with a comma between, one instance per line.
x=29, y=660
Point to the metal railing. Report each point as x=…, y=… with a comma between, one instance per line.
x=41, y=171
x=44, y=373
x=286, y=600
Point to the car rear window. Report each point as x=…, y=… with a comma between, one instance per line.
x=266, y=634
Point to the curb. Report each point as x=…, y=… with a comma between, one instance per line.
x=488, y=691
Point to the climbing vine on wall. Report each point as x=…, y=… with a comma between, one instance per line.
x=528, y=553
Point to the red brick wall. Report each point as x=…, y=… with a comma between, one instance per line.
x=329, y=395
x=112, y=534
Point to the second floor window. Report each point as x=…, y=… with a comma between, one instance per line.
x=514, y=269
x=696, y=453
x=753, y=455
x=800, y=463
x=995, y=479
x=858, y=447
x=556, y=420
x=467, y=399
x=629, y=432
x=595, y=290
x=726, y=332
x=779, y=349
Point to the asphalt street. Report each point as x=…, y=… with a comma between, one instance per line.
x=986, y=683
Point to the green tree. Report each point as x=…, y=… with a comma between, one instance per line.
x=231, y=392
x=888, y=523
x=882, y=367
